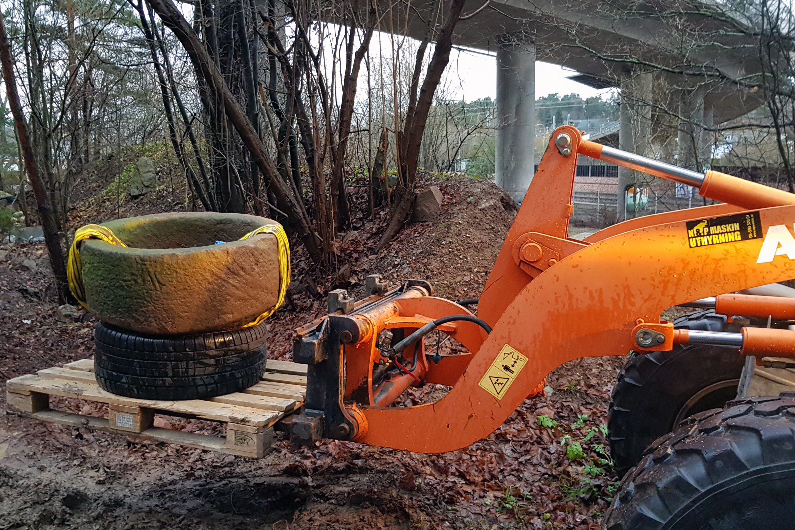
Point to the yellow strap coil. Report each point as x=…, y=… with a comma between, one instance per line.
x=93, y=231
x=284, y=266
x=74, y=267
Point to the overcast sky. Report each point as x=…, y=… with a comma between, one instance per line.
x=474, y=74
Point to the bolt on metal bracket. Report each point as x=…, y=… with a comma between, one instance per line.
x=563, y=143
x=647, y=338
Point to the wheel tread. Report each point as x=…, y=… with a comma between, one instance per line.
x=695, y=460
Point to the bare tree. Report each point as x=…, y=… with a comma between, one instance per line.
x=409, y=141
x=46, y=213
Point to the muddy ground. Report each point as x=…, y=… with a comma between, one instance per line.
x=525, y=475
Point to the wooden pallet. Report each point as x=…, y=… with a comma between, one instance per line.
x=250, y=416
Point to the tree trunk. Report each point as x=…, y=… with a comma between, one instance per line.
x=201, y=60
x=410, y=142
x=377, y=176
x=172, y=131
x=186, y=122
x=51, y=236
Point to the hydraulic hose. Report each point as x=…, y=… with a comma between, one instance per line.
x=430, y=326
x=467, y=301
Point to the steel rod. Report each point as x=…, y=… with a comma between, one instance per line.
x=715, y=338
x=701, y=303
x=652, y=167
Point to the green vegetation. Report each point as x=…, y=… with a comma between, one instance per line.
x=6, y=220
x=558, y=110
x=119, y=185
x=516, y=502
x=547, y=422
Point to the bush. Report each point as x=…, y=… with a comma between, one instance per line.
x=121, y=183
x=6, y=220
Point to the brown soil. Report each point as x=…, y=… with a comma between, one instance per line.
x=520, y=476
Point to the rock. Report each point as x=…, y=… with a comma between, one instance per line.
x=3, y=255
x=69, y=313
x=28, y=233
x=144, y=178
x=489, y=204
x=29, y=264
x=427, y=204
x=343, y=275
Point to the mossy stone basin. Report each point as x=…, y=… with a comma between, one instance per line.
x=173, y=278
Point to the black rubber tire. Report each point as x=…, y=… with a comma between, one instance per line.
x=655, y=391
x=724, y=469
x=204, y=367
x=175, y=368
x=178, y=388
x=205, y=346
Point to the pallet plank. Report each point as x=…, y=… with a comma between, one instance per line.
x=199, y=441
x=285, y=378
x=281, y=390
x=194, y=407
x=189, y=439
x=68, y=375
x=257, y=402
x=86, y=365
x=286, y=367
x=75, y=420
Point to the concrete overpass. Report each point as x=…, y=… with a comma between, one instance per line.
x=672, y=54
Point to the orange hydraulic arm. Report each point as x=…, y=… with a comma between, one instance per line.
x=549, y=299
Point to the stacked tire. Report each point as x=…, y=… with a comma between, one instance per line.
x=168, y=297
x=182, y=367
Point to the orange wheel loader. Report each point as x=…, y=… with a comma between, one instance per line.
x=550, y=299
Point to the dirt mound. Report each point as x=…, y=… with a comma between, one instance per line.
x=456, y=251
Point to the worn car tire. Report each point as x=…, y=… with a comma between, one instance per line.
x=178, y=388
x=172, y=278
x=199, y=347
x=657, y=390
x=723, y=469
x=174, y=368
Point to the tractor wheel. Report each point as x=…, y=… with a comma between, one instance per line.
x=724, y=469
x=174, y=368
x=658, y=390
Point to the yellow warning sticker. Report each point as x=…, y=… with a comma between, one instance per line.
x=502, y=372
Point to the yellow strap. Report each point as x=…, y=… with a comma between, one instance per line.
x=74, y=270
x=92, y=231
x=283, y=246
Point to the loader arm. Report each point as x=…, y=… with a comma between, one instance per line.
x=548, y=300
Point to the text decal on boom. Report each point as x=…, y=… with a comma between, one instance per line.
x=726, y=229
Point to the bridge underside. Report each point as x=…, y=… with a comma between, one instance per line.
x=672, y=59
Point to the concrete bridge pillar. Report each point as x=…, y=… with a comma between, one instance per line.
x=634, y=133
x=515, y=116
x=694, y=137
